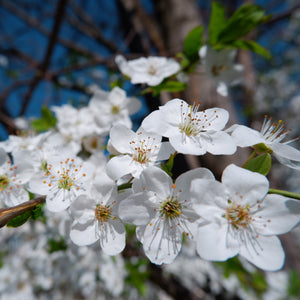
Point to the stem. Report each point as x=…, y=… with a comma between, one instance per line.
x=126, y=185
x=285, y=193
x=252, y=155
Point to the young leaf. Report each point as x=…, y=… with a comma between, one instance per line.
x=57, y=245
x=252, y=46
x=192, y=43
x=46, y=121
x=246, y=18
x=169, y=86
x=168, y=166
x=260, y=164
x=217, y=22
x=19, y=220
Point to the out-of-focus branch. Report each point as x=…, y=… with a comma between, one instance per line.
x=87, y=27
x=7, y=214
x=150, y=25
x=34, y=23
x=60, y=10
x=285, y=15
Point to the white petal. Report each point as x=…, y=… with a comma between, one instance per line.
x=58, y=200
x=156, y=180
x=244, y=186
x=277, y=215
x=222, y=89
x=220, y=143
x=245, y=136
x=120, y=136
x=267, y=255
x=184, y=181
x=112, y=237
x=217, y=117
x=187, y=145
x=209, y=199
x=161, y=245
x=83, y=209
x=285, y=151
x=119, y=166
x=165, y=151
x=214, y=243
x=83, y=234
x=134, y=210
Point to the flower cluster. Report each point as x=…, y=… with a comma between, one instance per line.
x=237, y=216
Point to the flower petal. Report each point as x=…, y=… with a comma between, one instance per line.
x=134, y=210
x=267, y=254
x=214, y=243
x=277, y=215
x=112, y=237
x=245, y=136
x=244, y=186
x=83, y=234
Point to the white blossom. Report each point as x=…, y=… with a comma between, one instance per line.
x=152, y=70
x=162, y=212
x=241, y=218
x=220, y=66
x=191, y=131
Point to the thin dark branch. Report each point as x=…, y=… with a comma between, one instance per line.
x=285, y=15
x=87, y=27
x=34, y=23
x=7, y=214
x=59, y=14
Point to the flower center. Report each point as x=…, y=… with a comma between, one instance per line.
x=238, y=215
x=142, y=149
x=103, y=213
x=4, y=182
x=216, y=70
x=170, y=208
x=274, y=131
x=151, y=70
x=115, y=109
x=65, y=182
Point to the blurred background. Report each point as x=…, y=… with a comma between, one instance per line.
x=54, y=52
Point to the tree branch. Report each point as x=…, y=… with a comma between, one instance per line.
x=60, y=10
x=7, y=214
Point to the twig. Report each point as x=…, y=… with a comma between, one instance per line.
x=7, y=214
x=60, y=10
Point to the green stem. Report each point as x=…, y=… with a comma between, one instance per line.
x=285, y=193
x=126, y=185
x=252, y=155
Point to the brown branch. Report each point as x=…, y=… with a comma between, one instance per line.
x=87, y=27
x=7, y=214
x=285, y=15
x=151, y=27
x=34, y=23
x=60, y=11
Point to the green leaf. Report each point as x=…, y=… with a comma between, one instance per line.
x=137, y=274
x=116, y=83
x=168, y=166
x=19, y=220
x=294, y=283
x=46, y=122
x=246, y=18
x=57, y=245
x=169, y=86
x=260, y=164
x=192, y=43
x=252, y=46
x=37, y=212
x=217, y=22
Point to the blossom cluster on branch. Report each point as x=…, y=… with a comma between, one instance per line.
x=98, y=175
